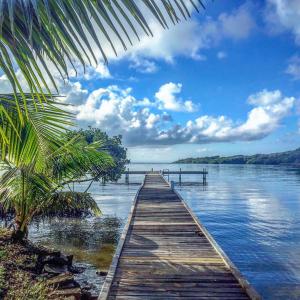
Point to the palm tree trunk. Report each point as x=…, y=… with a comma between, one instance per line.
x=20, y=233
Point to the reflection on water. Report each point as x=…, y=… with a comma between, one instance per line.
x=91, y=240
x=253, y=212
x=76, y=233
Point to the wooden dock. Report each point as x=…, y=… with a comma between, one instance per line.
x=167, y=172
x=165, y=253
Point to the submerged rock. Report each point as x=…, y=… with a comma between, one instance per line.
x=76, y=269
x=65, y=280
x=55, y=269
x=60, y=260
x=26, y=265
x=101, y=273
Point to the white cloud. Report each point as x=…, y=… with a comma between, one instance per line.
x=271, y=108
x=293, y=68
x=167, y=98
x=238, y=24
x=187, y=39
x=283, y=15
x=70, y=92
x=5, y=86
x=73, y=93
x=143, y=65
x=69, y=88
x=116, y=111
x=100, y=71
x=265, y=98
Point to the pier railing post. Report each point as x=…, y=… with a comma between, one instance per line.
x=204, y=177
x=172, y=185
x=180, y=176
x=127, y=177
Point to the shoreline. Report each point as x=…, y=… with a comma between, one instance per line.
x=31, y=270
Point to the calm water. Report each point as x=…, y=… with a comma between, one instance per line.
x=253, y=212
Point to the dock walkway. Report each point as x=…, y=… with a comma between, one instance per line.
x=165, y=253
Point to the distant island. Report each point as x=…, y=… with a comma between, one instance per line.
x=288, y=157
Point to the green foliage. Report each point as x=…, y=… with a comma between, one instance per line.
x=31, y=143
x=30, y=190
x=3, y=254
x=113, y=145
x=37, y=160
x=61, y=32
x=288, y=157
x=26, y=290
x=69, y=203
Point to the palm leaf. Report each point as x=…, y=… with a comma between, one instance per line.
x=31, y=142
x=70, y=204
x=62, y=31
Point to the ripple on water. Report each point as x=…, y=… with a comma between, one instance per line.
x=253, y=212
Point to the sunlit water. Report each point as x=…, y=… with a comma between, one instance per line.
x=253, y=212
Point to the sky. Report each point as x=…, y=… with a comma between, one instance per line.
x=225, y=82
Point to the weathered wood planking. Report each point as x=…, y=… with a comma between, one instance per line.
x=165, y=253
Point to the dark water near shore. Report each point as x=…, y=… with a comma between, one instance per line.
x=253, y=212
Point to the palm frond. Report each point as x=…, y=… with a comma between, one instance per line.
x=32, y=142
x=62, y=31
x=76, y=159
x=70, y=204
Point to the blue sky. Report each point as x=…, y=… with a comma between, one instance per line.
x=224, y=82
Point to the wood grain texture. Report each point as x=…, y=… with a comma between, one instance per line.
x=165, y=253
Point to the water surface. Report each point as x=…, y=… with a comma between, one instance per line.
x=253, y=212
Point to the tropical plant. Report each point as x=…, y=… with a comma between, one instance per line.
x=35, y=37
x=31, y=191
x=37, y=34
x=113, y=145
x=39, y=161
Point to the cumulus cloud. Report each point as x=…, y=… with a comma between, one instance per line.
x=167, y=98
x=73, y=93
x=100, y=71
x=67, y=87
x=191, y=36
x=143, y=65
x=118, y=112
x=283, y=15
x=188, y=39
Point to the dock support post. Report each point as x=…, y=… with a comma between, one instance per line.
x=180, y=176
x=127, y=177
x=172, y=185
x=204, y=177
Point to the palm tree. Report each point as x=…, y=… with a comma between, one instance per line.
x=35, y=34
x=36, y=172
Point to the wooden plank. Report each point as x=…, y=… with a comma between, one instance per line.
x=166, y=253
x=113, y=267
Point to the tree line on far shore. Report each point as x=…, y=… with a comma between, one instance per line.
x=281, y=158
